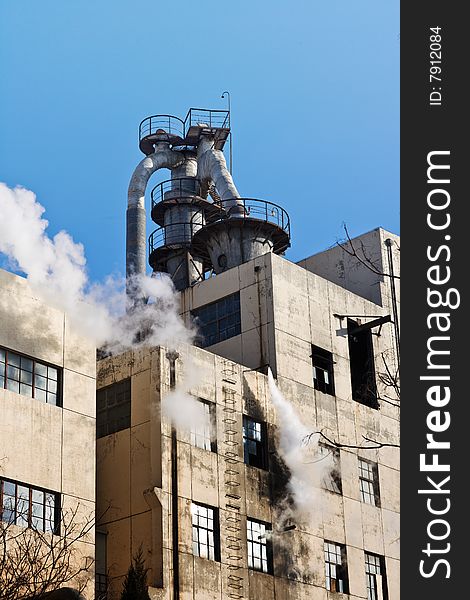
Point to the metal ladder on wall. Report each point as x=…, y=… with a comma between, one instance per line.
x=232, y=483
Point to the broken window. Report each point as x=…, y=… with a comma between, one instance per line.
x=259, y=545
x=218, y=321
x=361, y=358
x=205, y=531
x=322, y=362
x=369, y=482
x=113, y=408
x=332, y=477
x=254, y=442
x=375, y=577
x=30, y=377
x=27, y=506
x=203, y=430
x=336, y=567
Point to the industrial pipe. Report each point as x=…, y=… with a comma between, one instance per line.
x=211, y=166
x=162, y=158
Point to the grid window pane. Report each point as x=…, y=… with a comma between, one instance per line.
x=28, y=507
x=219, y=320
x=335, y=567
x=254, y=443
x=375, y=577
x=28, y=377
x=113, y=408
x=204, y=534
x=322, y=362
x=259, y=546
x=203, y=429
x=369, y=482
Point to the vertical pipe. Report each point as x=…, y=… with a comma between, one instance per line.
x=388, y=243
x=172, y=356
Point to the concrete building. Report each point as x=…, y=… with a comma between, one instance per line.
x=47, y=427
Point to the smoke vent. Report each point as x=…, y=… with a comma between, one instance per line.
x=204, y=224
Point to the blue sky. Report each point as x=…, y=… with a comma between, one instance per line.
x=315, y=107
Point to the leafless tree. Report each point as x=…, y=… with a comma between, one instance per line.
x=34, y=563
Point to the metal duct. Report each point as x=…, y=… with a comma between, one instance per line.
x=211, y=166
x=136, y=243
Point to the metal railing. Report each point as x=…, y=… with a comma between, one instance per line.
x=173, y=235
x=251, y=208
x=170, y=124
x=181, y=188
x=214, y=119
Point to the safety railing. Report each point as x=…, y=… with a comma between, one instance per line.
x=251, y=208
x=180, y=188
x=214, y=119
x=173, y=235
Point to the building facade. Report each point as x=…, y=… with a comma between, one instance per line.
x=47, y=437
x=205, y=500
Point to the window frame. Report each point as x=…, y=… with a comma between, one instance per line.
x=212, y=439
x=325, y=362
x=373, y=482
x=265, y=543
x=339, y=568
x=371, y=580
x=215, y=532
x=219, y=335
x=36, y=363
x=104, y=425
x=363, y=380
x=261, y=444
x=334, y=477
x=55, y=510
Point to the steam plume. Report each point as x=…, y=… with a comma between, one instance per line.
x=56, y=271
x=308, y=469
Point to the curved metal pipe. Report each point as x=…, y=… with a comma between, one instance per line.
x=211, y=166
x=162, y=158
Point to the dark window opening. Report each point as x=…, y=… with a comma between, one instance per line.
x=29, y=377
x=254, y=443
x=361, y=357
x=322, y=362
x=369, y=482
x=336, y=568
x=218, y=321
x=27, y=506
x=375, y=577
x=332, y=478
x=260, y=555
x=205, y=523
x=113, y=408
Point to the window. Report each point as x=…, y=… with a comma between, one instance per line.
x=219, y=320
x=254, y=443
x=113, y=408
x=322, y=362
x=259, y=546
x=332, y=478
x=26, y=506
x=361, y=357
x=101, y=578
x=336, y=569
x=205, y=531
x=375, y=577
x=203, y=430
x=29, y=377
x=369, y=482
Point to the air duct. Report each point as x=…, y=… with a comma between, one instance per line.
x=162, y=158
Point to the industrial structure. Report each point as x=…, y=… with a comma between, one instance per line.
x=204, y=500
x=47, y=438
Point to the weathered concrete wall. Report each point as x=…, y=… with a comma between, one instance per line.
x=42, y=445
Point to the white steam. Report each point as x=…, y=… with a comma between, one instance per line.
x=308, y=467
x=56, y=271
